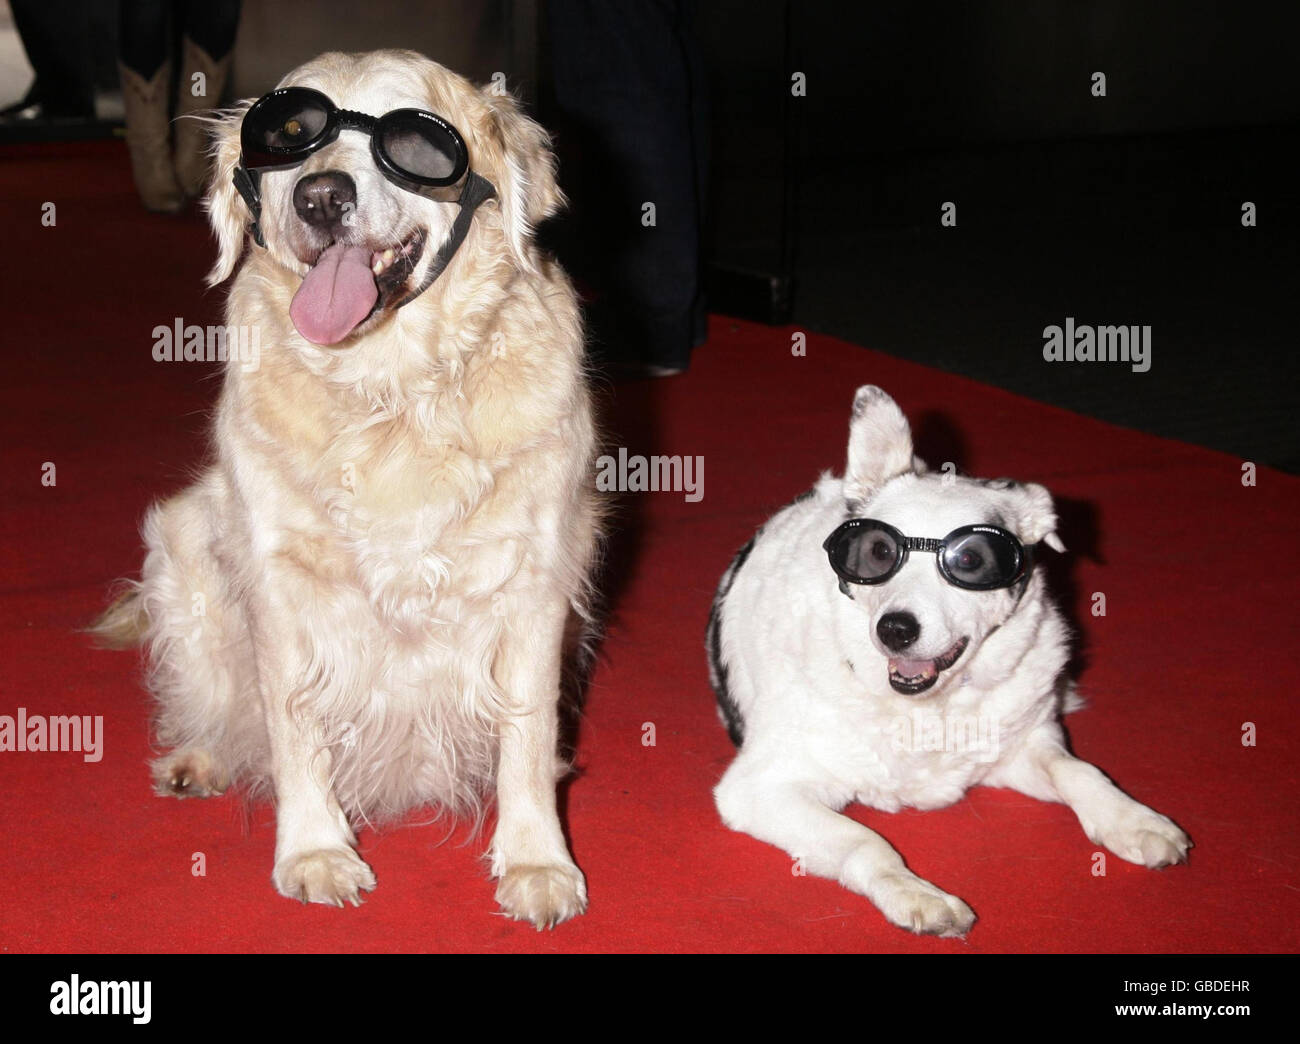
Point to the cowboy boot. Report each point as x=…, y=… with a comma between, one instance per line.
x=146, y=104
x=192, y=134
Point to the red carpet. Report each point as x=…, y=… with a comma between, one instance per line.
x=1199, y=575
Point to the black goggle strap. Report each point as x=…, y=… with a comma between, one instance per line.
x=1026, y=570
x=477, y=190
x=248, y=185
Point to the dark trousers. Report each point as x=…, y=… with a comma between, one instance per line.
x=629, y=84
x=56, y=37
x=146, y=29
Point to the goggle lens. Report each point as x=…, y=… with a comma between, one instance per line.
x=870, y=555
x=284, y=125
x=420, y=147
x=981, y=559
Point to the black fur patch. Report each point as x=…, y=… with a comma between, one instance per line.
x=713, y=642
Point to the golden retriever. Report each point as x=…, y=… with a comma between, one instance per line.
x=364, y=602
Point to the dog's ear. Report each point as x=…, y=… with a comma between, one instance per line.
x=229, y=215
x=880, y=443
x=527, y=189
x=1036, y=516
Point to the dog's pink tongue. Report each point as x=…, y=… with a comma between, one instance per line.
x=912, y=669
x=335, y=296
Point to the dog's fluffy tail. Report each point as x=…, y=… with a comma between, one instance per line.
x=122, y=625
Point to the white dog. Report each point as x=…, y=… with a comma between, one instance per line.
x=849, y=668
x=363, y=603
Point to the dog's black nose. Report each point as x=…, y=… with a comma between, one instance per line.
x=326, y=198
x=898, y=630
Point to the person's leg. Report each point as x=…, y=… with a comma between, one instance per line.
x=142, y=27
x=212, y=25
x=145, y=67
x=55, y=36
x=208, y=36
x=623, y=75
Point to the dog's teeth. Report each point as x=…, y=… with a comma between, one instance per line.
x=378, y=267
x=388, y=256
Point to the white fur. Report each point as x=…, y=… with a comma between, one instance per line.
x=804, y=665
x=396, y=533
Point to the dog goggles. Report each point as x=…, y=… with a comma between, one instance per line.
x=416, y=150
x=977, y=558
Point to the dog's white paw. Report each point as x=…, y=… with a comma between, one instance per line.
x=544, y=895
x=915, y=904
x=1142, y=836
x=326, y=875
